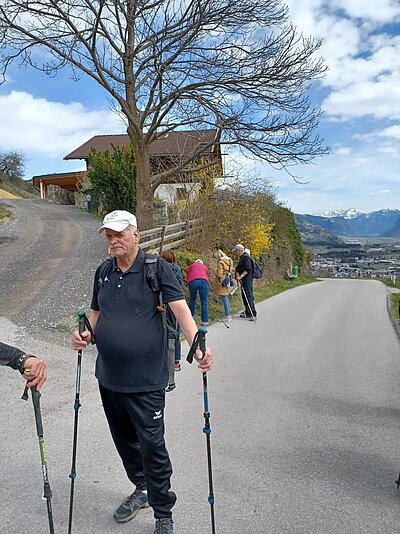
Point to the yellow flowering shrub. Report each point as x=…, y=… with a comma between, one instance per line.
x=260, y=238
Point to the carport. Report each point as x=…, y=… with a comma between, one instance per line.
x=65, y=180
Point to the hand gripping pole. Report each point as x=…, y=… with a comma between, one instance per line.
x=200, y=342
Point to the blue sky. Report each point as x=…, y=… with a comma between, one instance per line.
x=46, y=118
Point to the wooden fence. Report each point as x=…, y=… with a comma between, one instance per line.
x=170, y=236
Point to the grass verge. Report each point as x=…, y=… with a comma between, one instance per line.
x=394, y=301
x=395, y=307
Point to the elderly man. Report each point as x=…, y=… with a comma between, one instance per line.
x=33, y=369
x=244, y=275
x=132, y=364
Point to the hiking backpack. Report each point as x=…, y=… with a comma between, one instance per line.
x=257, y=271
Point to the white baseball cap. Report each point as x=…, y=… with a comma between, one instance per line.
x=118, y=220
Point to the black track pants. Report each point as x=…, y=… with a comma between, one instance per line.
x=248, y=297
x=136, y=422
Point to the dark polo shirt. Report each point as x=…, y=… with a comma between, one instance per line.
x=129, y=331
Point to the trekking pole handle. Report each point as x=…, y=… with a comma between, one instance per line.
x=36, y=405
x=198, y=341
x=202, y=340
x=81, y=323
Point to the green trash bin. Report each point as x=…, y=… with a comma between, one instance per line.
x=295, y=271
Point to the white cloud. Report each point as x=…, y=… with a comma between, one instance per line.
x=342, y=150
x=305, y=14
x=391, y=131
x=379, y=65
x=362, y=54
x=380, y=100
x=38, y=126
x=340, y=37
x=384, y=11
x=382, y=192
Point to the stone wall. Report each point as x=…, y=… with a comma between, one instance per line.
x=57, y=195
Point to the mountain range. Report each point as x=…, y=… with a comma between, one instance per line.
x=346, y=214
x=382, y=223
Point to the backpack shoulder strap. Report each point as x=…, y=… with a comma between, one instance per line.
x=152, y=266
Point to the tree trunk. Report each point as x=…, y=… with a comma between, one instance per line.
x=144, y=189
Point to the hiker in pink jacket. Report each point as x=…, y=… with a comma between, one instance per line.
x=197, y=281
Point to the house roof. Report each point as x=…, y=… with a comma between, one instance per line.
x=168, y=144
x=66, y=180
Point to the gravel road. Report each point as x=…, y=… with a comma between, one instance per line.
x=48, y=257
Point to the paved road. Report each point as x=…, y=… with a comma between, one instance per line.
x=305, y=417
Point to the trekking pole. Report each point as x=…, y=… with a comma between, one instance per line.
x=200, y=341
x=247, y=301
x=221, y=320
x=47, y=493
x=82, y=322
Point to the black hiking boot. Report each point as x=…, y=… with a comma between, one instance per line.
x=130, y=506
x=165, y=525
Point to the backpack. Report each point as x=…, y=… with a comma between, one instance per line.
x=228, y=280
x=257, y=271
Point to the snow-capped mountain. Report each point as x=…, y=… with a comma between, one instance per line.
x=346, y=214
x=354, y=222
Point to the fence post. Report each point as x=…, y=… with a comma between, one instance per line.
x=162, y=238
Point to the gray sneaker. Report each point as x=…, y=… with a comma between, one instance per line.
x=130, y=506
x=165, y=525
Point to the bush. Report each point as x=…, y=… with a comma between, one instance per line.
x=112, y=179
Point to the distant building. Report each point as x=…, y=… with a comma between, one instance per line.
x=165, y=152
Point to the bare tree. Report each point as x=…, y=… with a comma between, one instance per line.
x=12, y=164
x=234, y=65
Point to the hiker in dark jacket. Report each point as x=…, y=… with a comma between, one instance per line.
x=244, y=275
x=33, y=369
